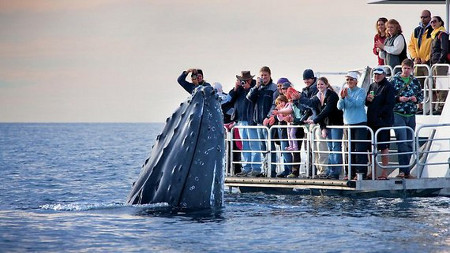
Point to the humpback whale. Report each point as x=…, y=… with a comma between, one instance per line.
x=185, y=167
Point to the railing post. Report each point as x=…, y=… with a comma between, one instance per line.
x=435, y=75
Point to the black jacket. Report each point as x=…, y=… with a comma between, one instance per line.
x=243, y=108
x=262, y=99
x=327, y=114
x=305, y=110
x=380, y=112
x=439, y=48
x=189, y=87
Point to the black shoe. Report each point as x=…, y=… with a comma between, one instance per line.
x=242, y=174
x=282, y=174
x=331, y=176
x=255, y=174
x=321, y=176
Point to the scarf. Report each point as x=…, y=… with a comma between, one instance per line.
x=436, y=31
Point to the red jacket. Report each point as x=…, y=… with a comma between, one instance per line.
x=380, y=39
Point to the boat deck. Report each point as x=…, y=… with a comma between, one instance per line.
x=430, y=156
x=393, y=187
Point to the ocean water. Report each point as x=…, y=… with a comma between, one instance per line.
x=63, y=188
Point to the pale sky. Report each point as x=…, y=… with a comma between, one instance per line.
x=118, y=60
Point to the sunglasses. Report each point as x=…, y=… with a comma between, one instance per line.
x=424, y=17
x=349, y=79
x=433, y=21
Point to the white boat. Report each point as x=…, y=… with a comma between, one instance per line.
x=430, y=162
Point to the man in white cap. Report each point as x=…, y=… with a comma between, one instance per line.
x=351, y=101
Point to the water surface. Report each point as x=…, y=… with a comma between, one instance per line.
x=63, y=188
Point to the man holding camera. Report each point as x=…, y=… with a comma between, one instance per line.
x=243, y=115
x=263, y=95
x=196, y=77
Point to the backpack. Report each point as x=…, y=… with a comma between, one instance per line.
x=448, y=45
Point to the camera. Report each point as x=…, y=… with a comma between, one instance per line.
x=243, y=82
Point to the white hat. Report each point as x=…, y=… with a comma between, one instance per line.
x=218, y=87
x=352, y=74
x=379, y=71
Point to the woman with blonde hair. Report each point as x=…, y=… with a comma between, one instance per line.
x=393, y=50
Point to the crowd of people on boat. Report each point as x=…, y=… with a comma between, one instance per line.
x=428, y=45
x=262, y=102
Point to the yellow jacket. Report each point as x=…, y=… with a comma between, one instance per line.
x=424, y=52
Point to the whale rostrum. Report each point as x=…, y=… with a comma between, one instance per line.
x=185, y=167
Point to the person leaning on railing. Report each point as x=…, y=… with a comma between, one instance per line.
x=327, y=114
x=280, y=133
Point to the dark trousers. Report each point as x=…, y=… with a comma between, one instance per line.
x=357, y=135
x=296, y=155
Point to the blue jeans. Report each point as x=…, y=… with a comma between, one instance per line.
x=262, y=135
x=405, y=138
x=335, y=146
x=252, y=160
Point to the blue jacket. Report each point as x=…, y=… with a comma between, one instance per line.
x=353, y=106
x=189, y=87
x=380, y=111
x=262, y=98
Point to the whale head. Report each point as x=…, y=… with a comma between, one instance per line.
x=185, y=168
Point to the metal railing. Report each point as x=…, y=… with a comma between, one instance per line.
x=435, y=81
x=433, y=144
x=440, y=84
x=394, y=141
x=282, y=155
x=272, y=156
